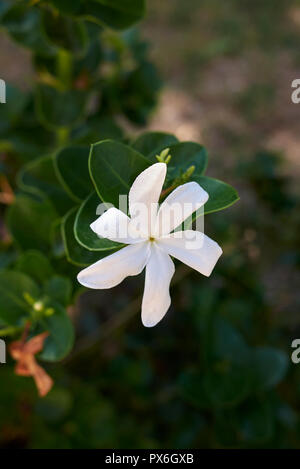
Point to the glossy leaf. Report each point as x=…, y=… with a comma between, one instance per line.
x=118, y=14
x=25, y=26
x=59, y=108
x=39, y=176
x=150, y=144
x=113, y=168
x=22, y=130
x=61, y=338
x=138, y=92
x=57, y=244
x=64, y=32
x=34, y=264
x=72, y=169
x=59, y=289
x=183, y=156
x=221, y=194
x=30, y=220
x=75, y=253
x=86, y=214
x=96, y=129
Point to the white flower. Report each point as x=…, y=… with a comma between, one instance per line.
x=151, y=241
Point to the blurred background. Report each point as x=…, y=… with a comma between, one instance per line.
x=217, y=371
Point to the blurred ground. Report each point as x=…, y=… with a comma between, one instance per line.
x=228, y=70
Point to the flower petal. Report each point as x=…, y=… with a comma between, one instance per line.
x=116, y=226
x=178, y=206
x=193, y=248
x=156, y=300
x=144, y=196
x=112, y=270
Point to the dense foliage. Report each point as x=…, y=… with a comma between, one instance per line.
x=214, y=372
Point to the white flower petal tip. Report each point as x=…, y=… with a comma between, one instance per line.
x=147, y=186
x=147, y=322
x=214, y=259
x=144, y=196
x=156, y=299
x=194, y=249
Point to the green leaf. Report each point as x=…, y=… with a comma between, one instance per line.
x=227, y=384
x=57, y=108
x=7, y=258
x=113, y=168
x=13, y=307
x=221, y=194
x=256, y=422
x=70, y=7
x=57, y=244
x=20, y=135
x=75, y=253
x=251, y=424
x=25, y=26
x=4, y=7
x=30, y=220
x=227, y=343
x=86, y=214
x=228, y=380
x=65, y=33
x=72, y=169
x=184, y=155
x=59, y=289
x=96, y=129
x=150, y=144
x=61, y=338
x=118, y=14
x=270, y=366
x=39, y=176
x=36, y=265
x=136, y=94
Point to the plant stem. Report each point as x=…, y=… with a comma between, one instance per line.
x=62, y=135
x=64, y=74
x=64, y=68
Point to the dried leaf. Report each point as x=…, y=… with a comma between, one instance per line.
x=23, y=352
